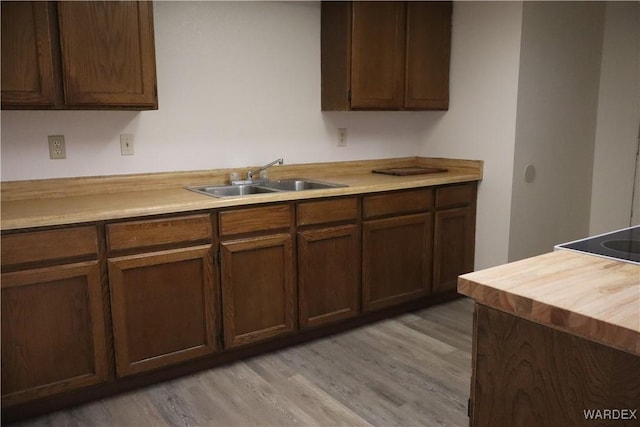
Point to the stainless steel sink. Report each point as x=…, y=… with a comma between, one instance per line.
x=293, y=184
x=300, y=184
x=231, y=190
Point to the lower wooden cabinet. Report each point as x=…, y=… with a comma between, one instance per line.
x=278, y=268
x=258, y=288
x=396, y=260
x=328, y=274
x=162, y=306
x=53, y=331
x=454, y=240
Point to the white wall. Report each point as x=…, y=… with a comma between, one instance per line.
x=556, y=122
x=618, y=121
x=239, y=84
x=480, y=123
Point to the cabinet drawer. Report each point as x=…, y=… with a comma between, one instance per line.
x=397, y=203
x=325, y=211
x=167, y=231
x=251, y=220
x=457, y=195
x=52, y=245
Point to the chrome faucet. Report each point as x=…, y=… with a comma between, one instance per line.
x=250, y=175
x=265, y=167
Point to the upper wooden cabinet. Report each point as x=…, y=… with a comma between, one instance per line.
x=78, y=55
x=27, y=63
x=385, y=55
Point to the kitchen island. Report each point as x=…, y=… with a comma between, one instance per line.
x=556, y=341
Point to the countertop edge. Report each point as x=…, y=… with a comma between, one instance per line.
x=174, y=199
x=544, y=313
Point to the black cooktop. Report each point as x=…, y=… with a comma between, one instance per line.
x=621, y=245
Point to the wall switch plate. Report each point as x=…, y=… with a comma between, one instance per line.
x=57, y=149
x=342, y=137
x=126, y=144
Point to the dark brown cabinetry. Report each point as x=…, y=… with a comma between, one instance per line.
x=385, y=55
x=328, y=261
x=396, y=247
x=78, y=55
x=27, y=55
x=162, y=300
x=526, y=373
x=454, y=242
x=258, y=274
x=114, y=301
x=53, y=320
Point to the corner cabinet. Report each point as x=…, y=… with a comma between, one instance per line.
x=78, y=55
x=53, y=318
x=385, y=55
x=163, y=293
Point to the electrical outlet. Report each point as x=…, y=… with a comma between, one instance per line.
x=126, y=144
x=342, y=137
x=57, y=149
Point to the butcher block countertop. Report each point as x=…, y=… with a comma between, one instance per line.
x=584, y=295
x=40, y=203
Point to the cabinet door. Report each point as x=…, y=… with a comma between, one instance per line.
x=328, y=274
x=27, y=63
x=53, y=331
x=163, y=306
x=258, y=293
x=454, y=247
x=108, y=56
x=428, y=55
x=378, y=55
x=396, y=260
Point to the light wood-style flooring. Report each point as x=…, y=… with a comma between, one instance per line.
x=411, y=370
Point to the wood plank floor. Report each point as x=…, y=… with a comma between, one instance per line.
x=411, y=370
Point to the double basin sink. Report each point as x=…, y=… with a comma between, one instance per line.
x=293, y=184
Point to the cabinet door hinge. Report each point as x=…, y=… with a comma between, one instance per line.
x=349, y=96
x=469, y=407
x=218, y=258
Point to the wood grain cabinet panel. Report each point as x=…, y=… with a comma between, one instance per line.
x=397, y=202
x=95, y=55
x=174, y=231
x=396, y=260
x=428, y=52
x=108, y=56
x=53, y=331
x=385, y=55
x=328, y=210
x=454, y=240
x=328, y=274
x=162, y=306
x=378, y=55
x=49, y=246
x=526, y=374
x=258, y=288
x=28, y=77
x=256, y=220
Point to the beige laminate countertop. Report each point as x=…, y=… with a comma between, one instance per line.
x=587, y=296
x=28, y=204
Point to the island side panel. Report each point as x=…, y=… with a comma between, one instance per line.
x=526, y=374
